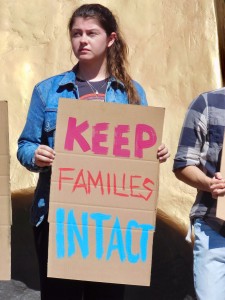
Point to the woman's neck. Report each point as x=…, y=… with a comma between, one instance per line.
x=92, y=72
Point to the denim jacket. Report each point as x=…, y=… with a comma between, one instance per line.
x=41, y=124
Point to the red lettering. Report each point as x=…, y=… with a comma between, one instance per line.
x=145, y=183
x=63, y=178
x=140, y=194
x=77, y=184
x=115, y=188
x=95, y=182
x=108, y=183
x=119, y=185
x=132, y=186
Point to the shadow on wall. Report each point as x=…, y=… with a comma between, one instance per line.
x=24, y=262
x=171, y=277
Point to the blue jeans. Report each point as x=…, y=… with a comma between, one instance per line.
x=209, y=262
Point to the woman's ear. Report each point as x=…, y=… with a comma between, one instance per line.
x=111, y=39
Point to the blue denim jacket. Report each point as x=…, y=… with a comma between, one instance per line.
x=41, y=123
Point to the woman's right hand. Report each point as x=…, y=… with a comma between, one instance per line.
x=44, y=156
x=217, y=186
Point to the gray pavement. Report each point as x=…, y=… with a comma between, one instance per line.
x=17, y=290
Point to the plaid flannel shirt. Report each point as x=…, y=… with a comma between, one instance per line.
x=200, y=144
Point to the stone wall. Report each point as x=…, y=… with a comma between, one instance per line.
x=173, y=53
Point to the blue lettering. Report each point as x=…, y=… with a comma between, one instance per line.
x=60, y=216
x=132, y=258
x=99, y=218
x=78, y=236
x=74, y=231
x=144, y=240
x=116, y=234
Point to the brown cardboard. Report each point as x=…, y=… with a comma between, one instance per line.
x=5, y=204
x=103, y=197
x=220, y=210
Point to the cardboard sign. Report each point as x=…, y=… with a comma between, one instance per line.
x=104, y=190
x=220, y=209
x=5, y=199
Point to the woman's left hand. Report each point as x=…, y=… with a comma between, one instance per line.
x=163, y=153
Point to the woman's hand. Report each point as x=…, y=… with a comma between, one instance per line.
x=44, y=156
x=217, y=185
x=162, y=153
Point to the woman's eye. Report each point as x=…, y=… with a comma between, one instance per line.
x=92, y=33
x=75, y=34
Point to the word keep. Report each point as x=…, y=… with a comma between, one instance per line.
x=145, y=137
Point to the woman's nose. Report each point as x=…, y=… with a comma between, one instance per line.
x=83, y=38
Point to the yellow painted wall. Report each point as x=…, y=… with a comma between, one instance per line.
x=173, y=54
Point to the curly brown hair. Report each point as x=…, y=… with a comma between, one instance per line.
x=117, y=54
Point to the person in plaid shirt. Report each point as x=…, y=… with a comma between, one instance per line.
x=197, y=163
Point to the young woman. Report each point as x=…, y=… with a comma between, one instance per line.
x=101, y=74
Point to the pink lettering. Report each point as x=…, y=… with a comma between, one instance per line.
x=120, y=140
x=74, y=132
x=140, y=142
x=98, y=137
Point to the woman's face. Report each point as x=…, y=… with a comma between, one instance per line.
x=89, y=40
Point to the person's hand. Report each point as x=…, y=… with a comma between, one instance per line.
x=162, y=153
x=217, y=186
x=44, y=156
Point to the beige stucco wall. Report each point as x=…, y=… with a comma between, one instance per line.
x=173, y=54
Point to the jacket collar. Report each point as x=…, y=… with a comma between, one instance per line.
x=70, y=78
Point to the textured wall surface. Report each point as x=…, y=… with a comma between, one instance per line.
x=220, y=15
x=173, y=54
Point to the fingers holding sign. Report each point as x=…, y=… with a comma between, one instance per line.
x=217, y=186
x=163, y=153
x=44, y=156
